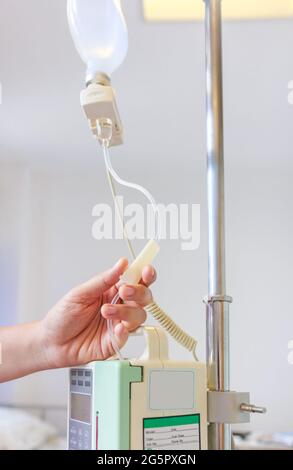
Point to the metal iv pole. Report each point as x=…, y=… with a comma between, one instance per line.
x=218, y=362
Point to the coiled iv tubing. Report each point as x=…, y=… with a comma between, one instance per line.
x=163, y=319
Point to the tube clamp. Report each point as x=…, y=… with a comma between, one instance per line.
x=208, y=300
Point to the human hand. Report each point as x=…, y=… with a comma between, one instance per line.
x=75, y=330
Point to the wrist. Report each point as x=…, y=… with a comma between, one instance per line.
x=22, y=351
x=45, y=347
x=37, y=347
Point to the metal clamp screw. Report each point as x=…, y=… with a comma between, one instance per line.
x=252, y=408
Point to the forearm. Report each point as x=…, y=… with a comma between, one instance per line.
x=22, y=351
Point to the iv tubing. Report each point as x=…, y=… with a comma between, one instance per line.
x=110, y=327
x=110, y=174
x=120, y=214
x=137, y=187
x=165, y=321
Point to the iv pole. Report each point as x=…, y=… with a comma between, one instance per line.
x=218, y=361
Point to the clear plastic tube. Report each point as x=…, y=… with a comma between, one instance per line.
x=105, y=134
x=112, y=174
x=120, y=214
x=110, y=327
x=134, y=186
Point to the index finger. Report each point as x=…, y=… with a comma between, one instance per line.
x=95, y=287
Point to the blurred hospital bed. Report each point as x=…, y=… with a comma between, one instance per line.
x=25, y=427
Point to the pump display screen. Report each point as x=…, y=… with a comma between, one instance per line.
x=81, y=407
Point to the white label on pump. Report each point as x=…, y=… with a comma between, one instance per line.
x=172, y=389
x=172, y=433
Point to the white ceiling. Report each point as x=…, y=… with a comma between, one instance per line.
x=160, y=90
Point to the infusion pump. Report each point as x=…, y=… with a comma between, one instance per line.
x=150, y=403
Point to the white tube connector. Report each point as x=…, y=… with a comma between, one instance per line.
x=132, y=275
x=99, y=103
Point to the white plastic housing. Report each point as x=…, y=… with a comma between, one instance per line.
x=98, y=102
x=132, y=275
x=183, y=398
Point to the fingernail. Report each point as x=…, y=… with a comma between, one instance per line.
x=111, y=310
x=128, y=291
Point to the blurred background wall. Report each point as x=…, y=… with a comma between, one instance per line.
x=52, y=175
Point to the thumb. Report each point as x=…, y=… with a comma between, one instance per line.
x=95, y=287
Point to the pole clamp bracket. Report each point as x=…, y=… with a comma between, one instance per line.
x=231, y=407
